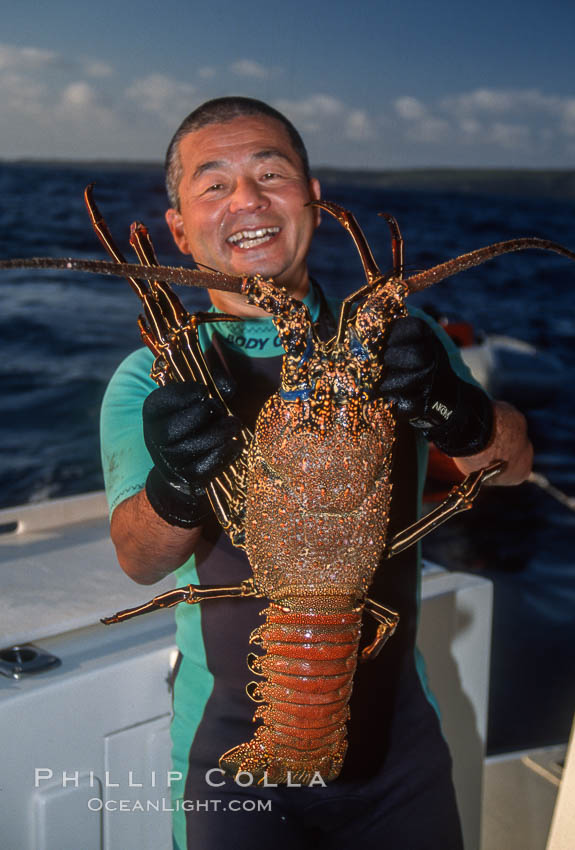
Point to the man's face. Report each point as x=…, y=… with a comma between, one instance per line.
x=242, y=201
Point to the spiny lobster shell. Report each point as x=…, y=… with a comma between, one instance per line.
x=309, y=497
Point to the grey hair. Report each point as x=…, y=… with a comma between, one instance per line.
x=220, y=111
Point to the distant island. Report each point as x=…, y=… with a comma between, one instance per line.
x=520, y=182
x=550, y=183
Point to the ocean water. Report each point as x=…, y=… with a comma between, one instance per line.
x=62, y=335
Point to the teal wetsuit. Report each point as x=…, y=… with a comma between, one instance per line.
x=211, y=711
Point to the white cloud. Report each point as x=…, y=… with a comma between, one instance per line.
x=430, y=130
x=358, y=126
x=421, y=125
x=319, y=104
x=510, y=136
x=495, y=121
x=84, y=110
x=98, y=69
x=55, y=105
x=488, y=102
x=78, y=96
x=568, y=116
x=21, y=94
x=34, y=59
x=410, y=108
x=206, y=72
x=470, y=127
x=249, y=68
x=164, y=96
x=12, y=57
x=528, y=107
x=331, y=128
x=310, y=114
x=480, y=100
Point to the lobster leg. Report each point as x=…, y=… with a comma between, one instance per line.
x=387, y=620
x=460, y=498
x=192, y=594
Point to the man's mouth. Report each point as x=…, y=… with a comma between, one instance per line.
x=252, y=238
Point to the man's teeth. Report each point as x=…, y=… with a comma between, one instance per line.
x=251, y=238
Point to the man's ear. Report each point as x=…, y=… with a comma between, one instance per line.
x=175, y=222
x=315, y=192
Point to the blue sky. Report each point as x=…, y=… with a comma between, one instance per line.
x=384, y=85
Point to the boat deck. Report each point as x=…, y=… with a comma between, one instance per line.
x=519, y=794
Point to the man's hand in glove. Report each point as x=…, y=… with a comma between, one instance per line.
x=455, y=415
x=190, y=438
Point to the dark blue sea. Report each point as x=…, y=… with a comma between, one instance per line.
x=61, y=336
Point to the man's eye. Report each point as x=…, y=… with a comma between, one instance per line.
x=213, y=188
x=269, y=175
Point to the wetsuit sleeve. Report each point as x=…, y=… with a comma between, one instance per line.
x=125, y=459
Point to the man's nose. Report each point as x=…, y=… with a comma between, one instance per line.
x=248, y=196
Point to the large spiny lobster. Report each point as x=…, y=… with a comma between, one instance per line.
x=309, y=496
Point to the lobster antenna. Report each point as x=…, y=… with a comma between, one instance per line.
x=167, y=274
x=474, y=258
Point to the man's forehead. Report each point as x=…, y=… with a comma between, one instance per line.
x=252, y=137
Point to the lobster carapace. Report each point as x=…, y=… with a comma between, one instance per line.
x=308, y=497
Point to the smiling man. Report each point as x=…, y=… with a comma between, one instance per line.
x=239, y=186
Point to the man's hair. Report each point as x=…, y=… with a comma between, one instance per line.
x=220, y=111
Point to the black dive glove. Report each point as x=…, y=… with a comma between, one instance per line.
x=190, y=439
x=455, y=415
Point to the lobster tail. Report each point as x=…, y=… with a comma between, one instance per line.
x=307, y=670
